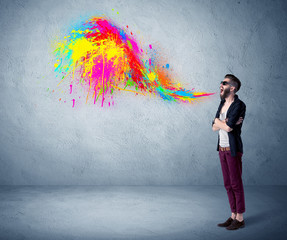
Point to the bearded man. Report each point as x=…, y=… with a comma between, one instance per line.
x=228, y=121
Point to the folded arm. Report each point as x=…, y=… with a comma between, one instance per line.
x=224, y=126
x=221, y=124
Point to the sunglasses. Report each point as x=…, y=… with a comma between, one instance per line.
x=225, y=83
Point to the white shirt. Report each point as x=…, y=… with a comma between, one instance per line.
x=223, y=135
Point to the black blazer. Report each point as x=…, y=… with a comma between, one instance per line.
x=236, y=110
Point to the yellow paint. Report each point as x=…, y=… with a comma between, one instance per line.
x=80, y=48
x=151, y=76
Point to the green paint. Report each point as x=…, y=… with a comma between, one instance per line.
x=130, y=45
x=130, y=82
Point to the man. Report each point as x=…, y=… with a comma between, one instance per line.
x=228, y=121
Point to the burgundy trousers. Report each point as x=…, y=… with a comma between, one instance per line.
x=232, y=172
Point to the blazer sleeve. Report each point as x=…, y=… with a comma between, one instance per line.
x=238, y=111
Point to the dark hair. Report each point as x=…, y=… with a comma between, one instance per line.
x=234, y=81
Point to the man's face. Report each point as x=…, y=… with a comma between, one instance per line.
x=225, y=88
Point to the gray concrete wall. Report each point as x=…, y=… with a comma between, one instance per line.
x=144, y=140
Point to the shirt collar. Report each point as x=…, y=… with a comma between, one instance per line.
x=235, y=98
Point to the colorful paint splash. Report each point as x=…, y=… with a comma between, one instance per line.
x=99, y=58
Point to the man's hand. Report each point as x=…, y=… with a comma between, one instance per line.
x=240, y=120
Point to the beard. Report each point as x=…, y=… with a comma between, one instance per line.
x=225, y=93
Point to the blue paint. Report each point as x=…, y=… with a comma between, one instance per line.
x=185, y=94
x=123, y=34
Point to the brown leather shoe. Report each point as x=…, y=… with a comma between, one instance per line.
x=226, y=223
x=236, y=225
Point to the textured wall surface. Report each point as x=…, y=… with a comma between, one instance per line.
x=144, y=140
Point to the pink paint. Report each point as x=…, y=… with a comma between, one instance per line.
x=149, y=61
x=141, y=50
x=73, y=102
x=134, y=45
x=71, y=88
x=204, y=95
x=107, y=26
x=109, y=68
x=150, y=46
x=103, y=99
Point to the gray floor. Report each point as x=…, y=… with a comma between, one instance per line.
x=137, y=212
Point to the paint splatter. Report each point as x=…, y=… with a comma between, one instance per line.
x=98, y=57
